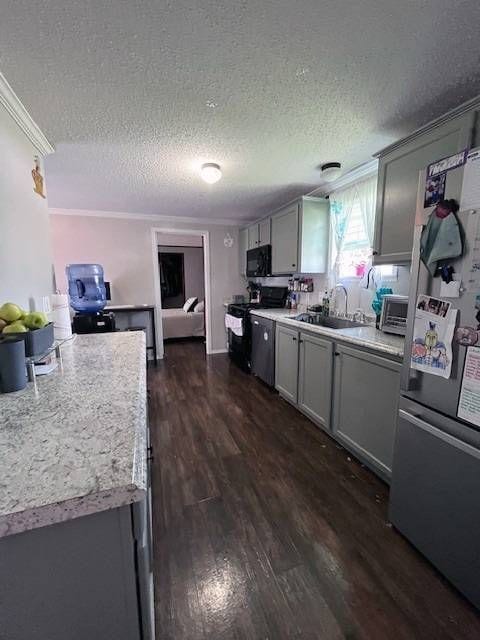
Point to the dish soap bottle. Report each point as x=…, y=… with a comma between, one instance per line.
x=326, y=304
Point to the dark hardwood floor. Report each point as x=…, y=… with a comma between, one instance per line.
x=265, y=528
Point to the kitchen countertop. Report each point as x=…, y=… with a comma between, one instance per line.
x=78, y=446
x=367, y=336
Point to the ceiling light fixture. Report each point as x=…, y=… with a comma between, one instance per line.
x=331, y=171
x=211, y=172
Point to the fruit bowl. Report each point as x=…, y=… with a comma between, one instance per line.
x=37, y=341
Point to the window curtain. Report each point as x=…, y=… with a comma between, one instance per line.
x=342, y=203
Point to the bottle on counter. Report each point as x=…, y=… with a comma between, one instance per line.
x=326, y=304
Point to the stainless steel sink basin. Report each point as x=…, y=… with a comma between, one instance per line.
x=329, y=322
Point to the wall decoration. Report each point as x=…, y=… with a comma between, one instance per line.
x=38, y=178
x=228, y=241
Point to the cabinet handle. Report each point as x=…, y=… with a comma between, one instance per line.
x=294, y=265
x=294, y=339
x=337, y=353
x=374, y=253
x=301, y=341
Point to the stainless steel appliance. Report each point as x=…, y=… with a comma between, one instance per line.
x=393, y=318
x=259, y=262
x=240, y=346
x=436, y=470
x=263, y=349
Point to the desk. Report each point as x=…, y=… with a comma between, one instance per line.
x=138, y=308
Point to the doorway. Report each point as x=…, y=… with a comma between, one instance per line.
x=181, y=268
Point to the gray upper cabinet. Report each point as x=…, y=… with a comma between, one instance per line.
x=285, y=240
x=252, y=236
x=398, y=170
x=286, y=362
x=258, y=234
x=242, y=250
x=315, y=378
x=313, y=227
x=264, y=232
x=366, y=391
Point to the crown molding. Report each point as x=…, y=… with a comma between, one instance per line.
x=469, y=105
x=150, y=217
x=15, y=108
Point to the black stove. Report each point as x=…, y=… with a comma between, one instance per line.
x=240, y=346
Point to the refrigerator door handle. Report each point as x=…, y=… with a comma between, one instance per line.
x=451, y=440
x=405, y=375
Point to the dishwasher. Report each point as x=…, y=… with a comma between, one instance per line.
x=263, y=349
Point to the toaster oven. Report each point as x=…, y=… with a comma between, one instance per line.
x=393, y=318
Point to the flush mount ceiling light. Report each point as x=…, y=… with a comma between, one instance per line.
x=331, y=171
x=211, y=172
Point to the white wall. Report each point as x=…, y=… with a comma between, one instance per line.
x=25, y=250
x=124, y=247
x=193, y=271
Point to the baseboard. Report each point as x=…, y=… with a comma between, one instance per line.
x=215, y=351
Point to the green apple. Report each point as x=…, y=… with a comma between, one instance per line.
x=35, y=320
x=15, y=327
x=3, y=324
x=10, y=312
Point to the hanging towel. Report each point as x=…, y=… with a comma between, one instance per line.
x=440, y=240
x=235, y=324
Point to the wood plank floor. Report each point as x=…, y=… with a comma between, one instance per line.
x=265, y=528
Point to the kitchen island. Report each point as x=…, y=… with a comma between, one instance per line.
x=75, y=523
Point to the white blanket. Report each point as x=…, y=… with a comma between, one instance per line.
x=235, y=324
x=177, y=323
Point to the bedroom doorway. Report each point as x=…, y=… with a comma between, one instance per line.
x=181, y=289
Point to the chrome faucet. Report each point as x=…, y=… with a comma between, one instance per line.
x=340, y=286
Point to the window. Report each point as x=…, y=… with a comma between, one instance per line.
x=352, y=218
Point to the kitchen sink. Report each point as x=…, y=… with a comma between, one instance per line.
x=329, y=322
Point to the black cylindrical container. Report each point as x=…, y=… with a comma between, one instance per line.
x=13, y=375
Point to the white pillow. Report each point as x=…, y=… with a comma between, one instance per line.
x=200, y=307
x=189, y=304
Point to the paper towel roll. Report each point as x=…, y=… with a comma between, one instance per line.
x=62, y=325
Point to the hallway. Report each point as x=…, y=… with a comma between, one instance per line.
x=265, y=528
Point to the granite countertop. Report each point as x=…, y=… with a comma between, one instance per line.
x=367, y=336
x=78, y=445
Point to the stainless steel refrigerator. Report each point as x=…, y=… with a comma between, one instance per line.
x=435, y=489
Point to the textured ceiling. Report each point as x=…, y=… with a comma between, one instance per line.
x=135, y=94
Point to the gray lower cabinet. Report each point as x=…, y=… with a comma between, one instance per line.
x=286, y=362
x=81, y=579
x=285, y=240
x=365, y=406
x=315, y=378
x=398, y=173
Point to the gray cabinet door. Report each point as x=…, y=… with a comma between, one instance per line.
x=253, y=236
x=398, y=182
x=285, y=240
x=264, y=232
x=315, y=378
x=365, y=407
x=313, y=230
x=263, y=349
x=242, y=250
x=286, y=362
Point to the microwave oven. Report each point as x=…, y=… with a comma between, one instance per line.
x=393, y=318
x=259, y=262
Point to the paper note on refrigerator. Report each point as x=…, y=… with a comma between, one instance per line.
x=471, y=263
x=470, y=198
x=469, y=403
x=432, y=336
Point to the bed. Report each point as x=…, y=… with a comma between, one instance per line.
x=178, y=323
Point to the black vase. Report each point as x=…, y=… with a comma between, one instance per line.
x=13, y=374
